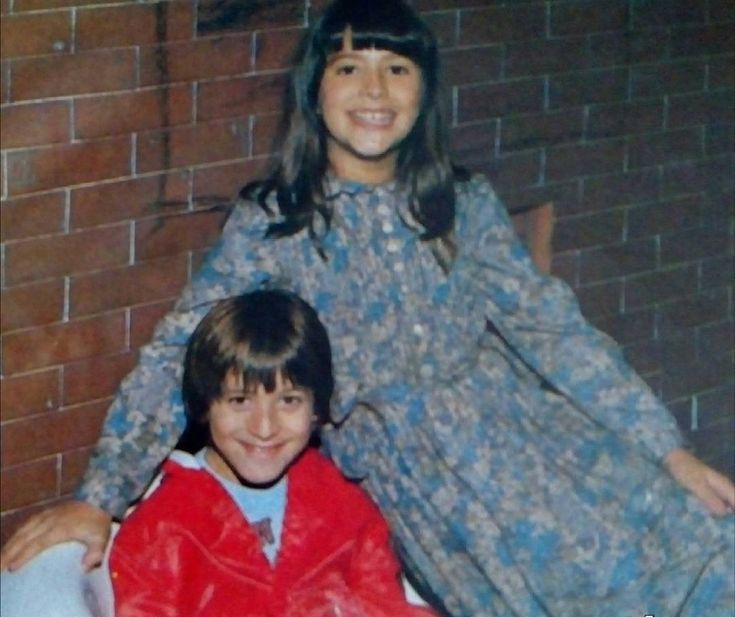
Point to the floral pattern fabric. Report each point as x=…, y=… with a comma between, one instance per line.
x=514, y=452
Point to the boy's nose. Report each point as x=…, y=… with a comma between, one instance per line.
x=262, y=424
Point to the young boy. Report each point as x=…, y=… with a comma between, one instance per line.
x=257, y=522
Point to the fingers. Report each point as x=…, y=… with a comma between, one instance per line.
x=723, y=488
x=93, y=557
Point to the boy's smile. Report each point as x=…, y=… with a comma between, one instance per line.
x=256, y=434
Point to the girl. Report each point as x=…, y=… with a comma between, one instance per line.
x=257, y=522
x=524, y=467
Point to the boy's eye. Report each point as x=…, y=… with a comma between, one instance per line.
x=292, y=399
x=238, y=400
x=346, y=69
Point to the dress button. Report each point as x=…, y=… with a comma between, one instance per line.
x=418, y=329
x=393, y=245
x=387, y=227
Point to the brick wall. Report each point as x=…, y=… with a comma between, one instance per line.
x=124, y=124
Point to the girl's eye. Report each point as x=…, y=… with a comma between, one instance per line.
x=238, y=400
x=346, y=69
x=399, y=69
x=291, y=400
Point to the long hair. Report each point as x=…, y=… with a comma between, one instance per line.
x=258, y=335
x=423, y=164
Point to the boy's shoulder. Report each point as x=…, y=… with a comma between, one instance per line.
x=315, y=479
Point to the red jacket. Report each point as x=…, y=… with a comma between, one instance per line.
x=187, y=551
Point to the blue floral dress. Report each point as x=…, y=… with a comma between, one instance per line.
x=514, y=452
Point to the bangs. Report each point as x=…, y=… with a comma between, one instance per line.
x=380, y=25
x=266, y=376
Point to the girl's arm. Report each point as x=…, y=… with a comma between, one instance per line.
x=540, y=319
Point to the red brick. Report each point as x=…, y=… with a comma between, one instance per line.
x=99, y=116
x=564, y=197
x=36, y=5
x=598, y=228
x=628, y=327
x=721, y=10
x=662, y=285
x=129, y=199
x=175, y=234
x=139, y=284
x=566, y=267
x=717, y=272
x=693, y=311
x=617, y=260
x=565, y=162
x=718, y=139
x=218, y=185
x=82, y=251
x=699, y=40
x=692, y=375
x=613, y=190
x=33, y=438
x=701, y=108
x=274, y=49
x=713, y=175
x=659, y=217
x=32, y=216
x=216, y=16
x=539, y=56
x=32, y=305
x=467, y=65
x=672, y=12
x=33, y=393
x=588, y=87
x=666, y=78
x=716, y=339
x=538, y=130
x=193, y=145
x=665, y=147
x=601, y=298
x=721, y=72
x=236, y=98
x=35, y=124
x=473, y=142
x=96, y=378
x=73, y=466
x=628, y=47
x=619, y=119
x=444, y=26
x=5, y=81
x=143, y=320
x=265, y=131
x=584, y=17
x=194, y=60
x=27, y=484
x=80, y=73
x=33, y=35
x=27, y=350
x=501, y=24
x=42, y=169
x=694, y=243
x=490, y=100
x=510, y=171
x=132, y=24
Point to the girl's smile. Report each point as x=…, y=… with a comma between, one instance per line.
x=369, y=101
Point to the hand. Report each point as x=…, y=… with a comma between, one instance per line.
x=73, y=520
x=713, y=488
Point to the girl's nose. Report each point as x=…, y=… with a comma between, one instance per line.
x=262, y=424
x=374, y=83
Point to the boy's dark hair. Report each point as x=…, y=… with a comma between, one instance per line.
x=423, y=164
x=258, y=335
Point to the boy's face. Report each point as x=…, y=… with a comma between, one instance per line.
x=256, y=434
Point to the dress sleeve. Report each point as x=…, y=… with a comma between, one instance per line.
x=539, y=318
x=146, y=418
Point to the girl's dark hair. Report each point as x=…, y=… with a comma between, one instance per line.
x=423, y=164
x=259, y=335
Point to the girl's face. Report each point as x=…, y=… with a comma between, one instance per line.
x=257, y=435
x=369, y=100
